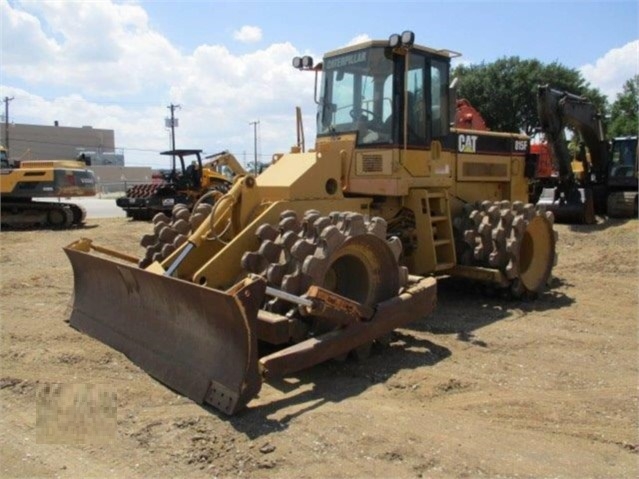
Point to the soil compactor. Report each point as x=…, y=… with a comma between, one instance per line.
x=181, y=186
x=43, y=179
x=328, y=250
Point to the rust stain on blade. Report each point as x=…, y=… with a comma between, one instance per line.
x=198, y=341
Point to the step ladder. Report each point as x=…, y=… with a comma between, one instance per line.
x=441, y=230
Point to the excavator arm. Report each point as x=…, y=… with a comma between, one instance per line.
x=224, y=158
x=559, y=109
x=571, y=198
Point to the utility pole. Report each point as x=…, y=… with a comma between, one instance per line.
x=172, y=122
x=255, y=123
x=6, y=123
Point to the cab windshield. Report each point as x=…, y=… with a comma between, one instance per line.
x=624, y=158
x=385, y=98
x=357, y=95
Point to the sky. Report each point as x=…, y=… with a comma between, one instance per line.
x=120, y=64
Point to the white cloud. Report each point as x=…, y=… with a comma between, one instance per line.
x=358, y=39
x=23, y=41
x=111, y=53
x=248, y=34
x=611, y=71
x=99, y=48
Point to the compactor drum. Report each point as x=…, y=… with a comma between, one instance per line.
x=326, y=251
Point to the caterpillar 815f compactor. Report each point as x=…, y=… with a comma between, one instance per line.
x=21, y=183
x=329, y=250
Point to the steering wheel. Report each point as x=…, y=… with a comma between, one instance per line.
x=370, y=116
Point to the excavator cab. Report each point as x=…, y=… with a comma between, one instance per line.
x=622, y=178
x=623, y=159
x=4, y=159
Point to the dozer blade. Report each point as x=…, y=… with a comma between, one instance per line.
x=198, y=341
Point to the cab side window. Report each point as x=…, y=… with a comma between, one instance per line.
x=439, y=98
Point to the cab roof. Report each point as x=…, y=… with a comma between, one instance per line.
x=384, y=43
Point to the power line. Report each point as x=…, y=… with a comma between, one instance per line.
x=58, y=143
x=122, y=148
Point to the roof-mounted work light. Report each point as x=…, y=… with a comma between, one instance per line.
x=303, y=63
x=405, y=40
x=408, y=39
x=394, y=40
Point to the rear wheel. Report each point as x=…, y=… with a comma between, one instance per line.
x=516, y=238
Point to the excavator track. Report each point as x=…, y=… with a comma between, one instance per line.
x=41, y=214
x=516, y=238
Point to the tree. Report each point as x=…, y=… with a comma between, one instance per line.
x=505, y=91
x=623, y=114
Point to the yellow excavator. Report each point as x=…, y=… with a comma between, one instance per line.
x=328, y=250
x=22, y=183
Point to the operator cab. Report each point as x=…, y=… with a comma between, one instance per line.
x=623, y=158
x=4, y=159
x=186, y=176
x=391, y=93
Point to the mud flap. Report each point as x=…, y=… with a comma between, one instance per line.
x=198, y=341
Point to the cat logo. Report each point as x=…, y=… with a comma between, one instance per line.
x=467, y=143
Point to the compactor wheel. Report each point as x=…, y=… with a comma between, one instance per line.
x=518, y=239
x=169, y=233
x=341, y=252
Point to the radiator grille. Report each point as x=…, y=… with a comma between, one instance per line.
x=372, y=164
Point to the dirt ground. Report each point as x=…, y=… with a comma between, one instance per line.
x=484, y=387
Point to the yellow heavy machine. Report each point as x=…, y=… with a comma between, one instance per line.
x=21, y=183
x=184, y=184
x=328, y=250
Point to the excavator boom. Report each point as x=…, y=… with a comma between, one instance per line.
x=571, y=198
